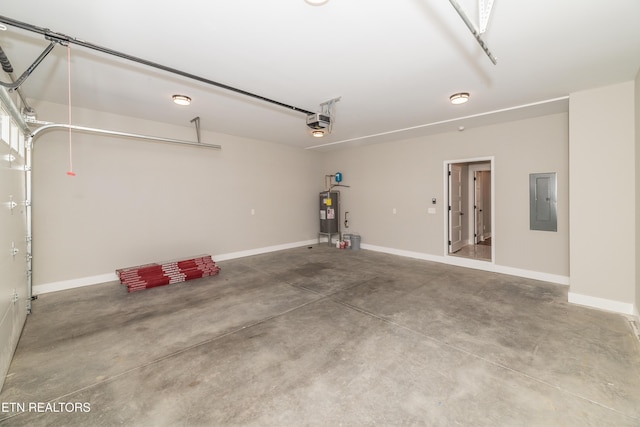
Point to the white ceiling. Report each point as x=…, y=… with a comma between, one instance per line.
x=394, y=63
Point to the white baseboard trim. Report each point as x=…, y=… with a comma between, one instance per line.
x=110, y=277
x=574, y=298
x=472, y=263
x=264, y=250
x=603, y=304
x=74, y=283
x=536, y=275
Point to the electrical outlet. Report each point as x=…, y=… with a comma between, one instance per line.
x=394, y=211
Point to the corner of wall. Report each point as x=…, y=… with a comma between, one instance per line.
x=637, y=183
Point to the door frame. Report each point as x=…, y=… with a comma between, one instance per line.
x=454, y=244
x=478, y=205
x=445, y=194
x=473, y=169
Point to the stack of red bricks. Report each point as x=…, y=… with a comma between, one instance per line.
x=151, y=275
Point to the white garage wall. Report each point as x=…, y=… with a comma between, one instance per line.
x=135, y=202
x=407, y=174
x=603, y=197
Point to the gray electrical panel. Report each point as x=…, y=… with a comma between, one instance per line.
x=329, y=213
x=543, y=213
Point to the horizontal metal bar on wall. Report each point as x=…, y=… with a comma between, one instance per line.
x=57, y=126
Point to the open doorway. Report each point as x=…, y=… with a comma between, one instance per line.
x=469, y=223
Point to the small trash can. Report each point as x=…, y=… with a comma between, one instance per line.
x=355, y=242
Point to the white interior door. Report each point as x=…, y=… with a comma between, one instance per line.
x=478, y=203
x=455, y=208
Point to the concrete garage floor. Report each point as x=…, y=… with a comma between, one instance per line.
x=326, y=337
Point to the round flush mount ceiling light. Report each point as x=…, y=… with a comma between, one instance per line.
x=316, y=2
x=459, y=98
x=317, y=133
x=181, y=99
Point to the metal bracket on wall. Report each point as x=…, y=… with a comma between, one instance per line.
x=196, y=120
x=28, y=71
